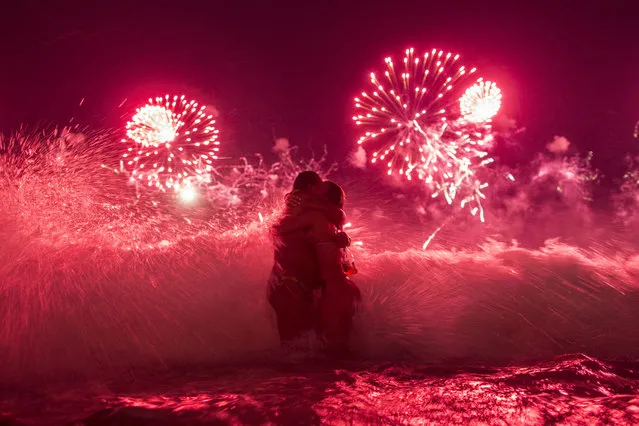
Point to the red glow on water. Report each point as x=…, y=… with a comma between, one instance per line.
x=177, y=404
x=573, y=390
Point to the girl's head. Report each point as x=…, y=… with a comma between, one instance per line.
x=334, y=194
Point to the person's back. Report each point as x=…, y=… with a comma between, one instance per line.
x=294, y=256
x=295, y=253
x=295, y=272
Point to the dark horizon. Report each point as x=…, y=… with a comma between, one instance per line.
x=291, y=70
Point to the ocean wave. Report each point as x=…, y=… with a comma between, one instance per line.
x=202, y=299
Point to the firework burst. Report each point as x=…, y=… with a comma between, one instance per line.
x=175, y=144
x=481, y=102
x=410, y=97
x=414, y=120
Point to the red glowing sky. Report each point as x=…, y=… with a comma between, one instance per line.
x=291, y=68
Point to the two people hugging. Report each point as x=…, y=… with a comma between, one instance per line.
x=309, y=288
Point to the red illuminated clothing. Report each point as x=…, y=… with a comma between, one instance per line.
x=308, y=257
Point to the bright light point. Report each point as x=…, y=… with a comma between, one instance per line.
x=187, y=194
x=166, y=135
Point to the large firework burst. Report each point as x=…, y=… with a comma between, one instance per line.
x=425, y=119
x=175, y=143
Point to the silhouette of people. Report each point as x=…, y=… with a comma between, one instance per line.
x=310, y=258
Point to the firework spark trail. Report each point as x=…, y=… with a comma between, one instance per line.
x=434, y=234
x=61, y=200
x=58, y=189
x=412, y=117
x=176, y=144
x=568, y=173
x=626, y=201
x=54, y=192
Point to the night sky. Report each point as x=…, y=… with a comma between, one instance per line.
x=290, y=69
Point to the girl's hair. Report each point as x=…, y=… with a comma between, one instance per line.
x=306, y=179
x=335, y=194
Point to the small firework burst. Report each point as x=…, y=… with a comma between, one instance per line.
x=175, y=144
x=481, y=102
